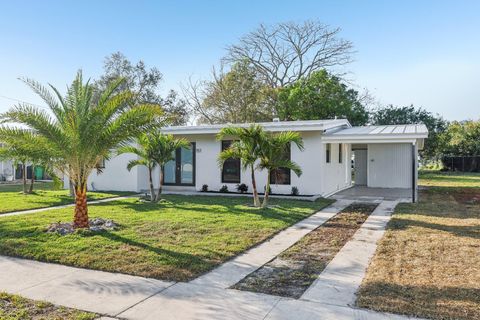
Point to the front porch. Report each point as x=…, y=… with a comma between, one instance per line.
x=364, y=193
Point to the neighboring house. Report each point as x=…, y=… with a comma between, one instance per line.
x=385, y=157
x=7, y=171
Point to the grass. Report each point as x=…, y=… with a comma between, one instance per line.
x=177, y=239
x=13, y=199
x=293, y=271
x=13, y=307
x=428, y=263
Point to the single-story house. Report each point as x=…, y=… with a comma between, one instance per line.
x=379, y=156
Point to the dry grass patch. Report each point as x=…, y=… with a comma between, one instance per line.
x=428, y=263
x=293, y=271
x=13, y=307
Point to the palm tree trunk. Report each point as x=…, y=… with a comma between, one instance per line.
x=150, y=180
x=32, y=181
x=24, y=178
x=160, y=184
x=267, y=191
x=256, y=199
x=80, y=219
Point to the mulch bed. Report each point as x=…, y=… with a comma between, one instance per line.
x=295, y=269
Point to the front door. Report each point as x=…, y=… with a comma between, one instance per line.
x=360, y=167
x=181, y=170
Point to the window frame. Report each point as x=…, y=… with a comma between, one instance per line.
x=340, y=153
x=288, y=172
x=328, y=152
x=236, y=161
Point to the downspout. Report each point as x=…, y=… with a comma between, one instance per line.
x=414, y=168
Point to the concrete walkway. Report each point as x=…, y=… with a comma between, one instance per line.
x=207, y=297
x=16, y=213
x=235, y=270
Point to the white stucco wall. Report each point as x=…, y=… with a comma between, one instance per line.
x=116, y=177
x=390, y=165
x=336, y=175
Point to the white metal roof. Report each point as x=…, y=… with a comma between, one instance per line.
x=398, y=133
x=307, y=125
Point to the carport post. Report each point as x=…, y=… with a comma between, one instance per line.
x=414, y=168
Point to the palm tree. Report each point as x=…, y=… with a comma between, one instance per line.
x=154, y=149
x=272, y=155
x=246, y=148
x=80, y=130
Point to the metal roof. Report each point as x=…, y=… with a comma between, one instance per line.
x=307, y=125
x=386, y=130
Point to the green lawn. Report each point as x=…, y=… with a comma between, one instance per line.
x=177, y=239
x=428, y=263
x=13, y=307
x=12, y=198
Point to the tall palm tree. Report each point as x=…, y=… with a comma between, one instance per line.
x=246, y=147
x=80, y=130
x=272, y=155
x=154, y=149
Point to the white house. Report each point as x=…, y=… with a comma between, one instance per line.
x=385, y=157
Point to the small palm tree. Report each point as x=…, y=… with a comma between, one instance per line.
x=154, y=149
x=272, y=155
x=80, y=130
x=246, y=148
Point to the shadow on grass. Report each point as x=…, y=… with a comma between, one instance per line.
x=458, y=230
x=423, y=301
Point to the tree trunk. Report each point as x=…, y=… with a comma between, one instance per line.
x=80, y=219
x=71, y=187
x=267, y=191
x=24, y=178
x=150, y=180
x=256, y=199
x=160, y=184
x=32, y=181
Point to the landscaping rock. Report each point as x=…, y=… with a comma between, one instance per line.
x=96, y=225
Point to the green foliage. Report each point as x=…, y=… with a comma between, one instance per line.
x=461, y=139
x=390, y=115
x=145, y=83
x=154, y=149
x=242, y=188
x=205, y=188
x=79, y=130
x=236, y=96
x=295, y=191
x=320, y=96
x=223, y=189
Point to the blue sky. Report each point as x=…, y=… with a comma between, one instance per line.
x=421, y=52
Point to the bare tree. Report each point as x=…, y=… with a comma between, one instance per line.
x=286, y=52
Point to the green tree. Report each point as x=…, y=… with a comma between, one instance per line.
x=236, y=96
x=320, y=96
x=272, y=155
x=246, y=147
x=79, y=131
x=145, y=83
x=461, y=138
x=154, y=150
x=391, y=115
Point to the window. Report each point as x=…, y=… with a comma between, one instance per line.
x=340, y=153
x=281, y=175
x=231, y=167
x=327, y=152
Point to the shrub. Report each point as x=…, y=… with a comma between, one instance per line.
x=223, y=189
x=205, y=188
x=242, y=188
x=294, y=191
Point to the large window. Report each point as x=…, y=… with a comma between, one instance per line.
x=281, y=175
x=328, y=149
x=231, y=167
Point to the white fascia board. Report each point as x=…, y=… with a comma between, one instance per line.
x=272, y=127
x=370, y=140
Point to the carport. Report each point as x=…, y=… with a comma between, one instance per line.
x=385, y=159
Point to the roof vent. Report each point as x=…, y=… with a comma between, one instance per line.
x=276, y=119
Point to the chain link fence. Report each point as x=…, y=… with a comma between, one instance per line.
x=463, y=164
